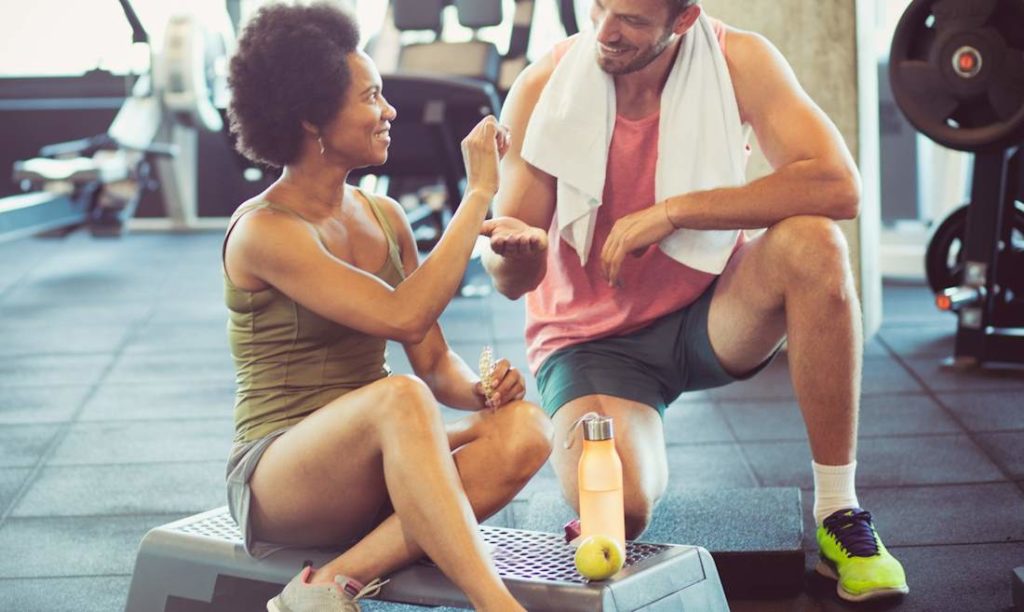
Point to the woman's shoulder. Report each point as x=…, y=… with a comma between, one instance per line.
x=386, y=204
x=265, y=205
x=256, y=203
x=258, y=218
x=390, y=208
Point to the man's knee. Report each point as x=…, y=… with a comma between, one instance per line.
x=638, y=508
x=813, y=249
x=525, y=433
x=640, y=496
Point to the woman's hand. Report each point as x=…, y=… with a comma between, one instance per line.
x=482, y=148
x=508, y=385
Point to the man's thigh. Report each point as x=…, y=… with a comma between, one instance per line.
x=639, y=440
x=746, y=318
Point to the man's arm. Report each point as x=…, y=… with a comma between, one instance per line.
x=525, y=202
x=814, y=172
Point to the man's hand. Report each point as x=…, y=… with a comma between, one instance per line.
x=511, y=237
x=508, y=385
x=632, y=235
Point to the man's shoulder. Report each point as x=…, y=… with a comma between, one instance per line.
x=531, y=82
x=746, y=48
x=757, y=69
x=536, y=75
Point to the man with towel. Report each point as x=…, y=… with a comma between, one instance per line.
x=620, y=217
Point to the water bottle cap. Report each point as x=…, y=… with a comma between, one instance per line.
x=599, y=428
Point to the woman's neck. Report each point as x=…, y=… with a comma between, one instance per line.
x=316, y=188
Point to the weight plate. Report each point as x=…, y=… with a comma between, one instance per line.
x=957, y=71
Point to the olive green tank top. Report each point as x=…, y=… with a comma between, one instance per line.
x=290, y=361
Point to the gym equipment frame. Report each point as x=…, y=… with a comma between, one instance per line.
x=957, y=73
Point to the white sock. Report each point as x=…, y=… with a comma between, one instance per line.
x=833, y=489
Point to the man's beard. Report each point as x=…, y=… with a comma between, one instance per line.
x=642, y=60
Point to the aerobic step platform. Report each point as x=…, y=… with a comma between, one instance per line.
x=754, y=535
x=198, y=564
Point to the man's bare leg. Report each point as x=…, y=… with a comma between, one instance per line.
x=794, y=282
x=640, y=442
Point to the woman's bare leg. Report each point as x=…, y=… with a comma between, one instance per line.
x=496, y=454
x=326, y=479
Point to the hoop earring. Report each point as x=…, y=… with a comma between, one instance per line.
x=320, y=139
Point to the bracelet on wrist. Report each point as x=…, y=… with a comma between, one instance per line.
x=669, y=216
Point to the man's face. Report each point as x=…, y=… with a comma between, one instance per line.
x=630, y=33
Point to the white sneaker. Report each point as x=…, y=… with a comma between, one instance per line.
x=340, y=596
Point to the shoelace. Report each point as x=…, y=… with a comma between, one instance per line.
x=852, y=528
x=371, y=589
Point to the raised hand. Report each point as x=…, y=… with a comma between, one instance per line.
x=482, y=148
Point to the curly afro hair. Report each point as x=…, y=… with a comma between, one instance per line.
x=291, y=66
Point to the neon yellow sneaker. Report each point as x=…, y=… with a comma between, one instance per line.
x=853, y=554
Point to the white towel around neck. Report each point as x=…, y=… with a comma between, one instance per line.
x=700, y=141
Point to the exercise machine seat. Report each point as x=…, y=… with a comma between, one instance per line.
x=475, y=59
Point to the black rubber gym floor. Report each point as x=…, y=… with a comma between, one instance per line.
x=115, y=417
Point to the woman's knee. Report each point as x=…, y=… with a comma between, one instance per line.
x=526, y=434
x=406, y=397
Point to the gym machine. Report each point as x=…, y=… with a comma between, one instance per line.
x=957, y=73
x=97, y=182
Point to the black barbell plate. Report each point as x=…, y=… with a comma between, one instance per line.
x=963, y=14
x=1011, y=13
x=1006, y=91
x=933, y=95
x=967, y=116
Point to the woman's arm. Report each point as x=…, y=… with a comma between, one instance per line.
x=453, y=382
x=285, y=253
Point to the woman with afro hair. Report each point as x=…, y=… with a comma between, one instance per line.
x=330, y=449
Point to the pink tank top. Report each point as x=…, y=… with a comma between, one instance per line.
x=574, y=304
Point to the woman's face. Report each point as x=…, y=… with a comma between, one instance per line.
x=359, y=133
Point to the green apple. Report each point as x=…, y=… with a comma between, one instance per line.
x=599, y=557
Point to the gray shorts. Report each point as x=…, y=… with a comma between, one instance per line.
x=241, y=464
x=653, y=365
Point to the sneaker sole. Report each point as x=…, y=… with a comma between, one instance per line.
x=826, y=570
